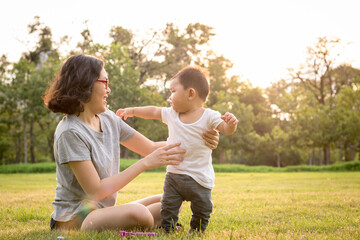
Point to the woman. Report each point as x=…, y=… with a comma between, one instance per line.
x=87, y=153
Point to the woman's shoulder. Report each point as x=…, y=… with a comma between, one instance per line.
x=69, y=123
x=109, y=116
x=68, y=126
x=111, y=121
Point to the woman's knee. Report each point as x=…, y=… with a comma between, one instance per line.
x=129, y=216
x=142, y=216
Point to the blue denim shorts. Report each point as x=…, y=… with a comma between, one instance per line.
x=88, y=207
x=52, y=224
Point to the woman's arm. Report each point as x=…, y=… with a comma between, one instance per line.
x=98, y=189
x=142, y=145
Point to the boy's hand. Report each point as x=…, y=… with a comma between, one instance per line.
x=230, y=119
x=127, y=112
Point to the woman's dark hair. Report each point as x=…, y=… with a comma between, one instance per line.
x=194, y=77
x=73, y=84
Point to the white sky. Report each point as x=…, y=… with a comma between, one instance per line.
x=261, y=37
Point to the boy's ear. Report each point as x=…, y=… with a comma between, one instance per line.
x=192, y=93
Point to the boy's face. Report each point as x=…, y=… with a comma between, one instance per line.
x=178, y=97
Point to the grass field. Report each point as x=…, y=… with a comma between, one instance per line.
x=322, y=205
x=50, y=167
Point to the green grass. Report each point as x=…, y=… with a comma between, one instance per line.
x=50, y=167
x=297, y=205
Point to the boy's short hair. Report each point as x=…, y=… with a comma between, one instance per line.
x=194, y=77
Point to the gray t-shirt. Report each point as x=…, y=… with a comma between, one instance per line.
x=75, y=141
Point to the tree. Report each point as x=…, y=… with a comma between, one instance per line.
x=347, y=113
x=87, y=42
x=5, y=120
x=224, y=97
x=121, y=35
x=317, y=78
x=163, y=53
x=278, y=140
x=23, y=84
x=33, y=109
x=149, y=61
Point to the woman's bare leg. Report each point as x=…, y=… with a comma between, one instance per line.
x=155, y=212
x=153, y=204
x=149, y=200
x=119, y=217
x=133, y=213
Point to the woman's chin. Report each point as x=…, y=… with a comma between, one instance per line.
x=101, y=110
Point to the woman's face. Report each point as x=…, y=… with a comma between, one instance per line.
x=97, y=103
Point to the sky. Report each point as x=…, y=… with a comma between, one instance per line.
x=262, y=38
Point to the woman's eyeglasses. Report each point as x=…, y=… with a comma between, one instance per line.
x=106, y=81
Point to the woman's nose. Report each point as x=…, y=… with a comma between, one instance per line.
x=108, y=90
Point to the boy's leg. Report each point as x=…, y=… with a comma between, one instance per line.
x=201, y=205
x=170, y=203
x=201, y=215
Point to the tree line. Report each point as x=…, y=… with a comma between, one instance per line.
x=310, y=118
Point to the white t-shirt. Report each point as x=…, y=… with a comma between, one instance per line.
x=197, y=159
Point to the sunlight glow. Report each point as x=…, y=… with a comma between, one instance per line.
x=262, y=38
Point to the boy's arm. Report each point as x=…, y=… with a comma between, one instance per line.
x=229, y=125
x=147, y=112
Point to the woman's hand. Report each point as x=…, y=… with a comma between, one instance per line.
x=171, y=154
x=211, y=138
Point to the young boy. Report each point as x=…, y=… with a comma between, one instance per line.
x=187, y=119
